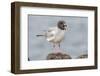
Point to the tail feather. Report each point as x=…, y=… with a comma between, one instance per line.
x=39, y=35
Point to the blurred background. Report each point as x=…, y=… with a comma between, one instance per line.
x=75, y=42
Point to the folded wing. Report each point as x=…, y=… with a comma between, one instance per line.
x=51, y=33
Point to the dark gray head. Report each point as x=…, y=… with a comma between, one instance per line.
x=62, y=25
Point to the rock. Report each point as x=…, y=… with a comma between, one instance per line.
x=58, y=55
x=83, y=56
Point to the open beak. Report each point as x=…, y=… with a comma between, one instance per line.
x=65, y=27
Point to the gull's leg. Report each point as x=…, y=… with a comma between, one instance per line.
x=59, y=49
x=56, y=47
x=59, y=45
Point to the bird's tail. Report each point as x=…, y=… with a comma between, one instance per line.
x=39, y=35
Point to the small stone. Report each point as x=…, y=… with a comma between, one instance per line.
x=83, y=56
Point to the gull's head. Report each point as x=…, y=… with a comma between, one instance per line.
x=62, y=25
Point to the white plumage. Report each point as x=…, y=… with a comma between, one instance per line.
x=55, y=35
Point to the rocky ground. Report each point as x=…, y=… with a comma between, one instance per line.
x=61, y=55
x=58, y=55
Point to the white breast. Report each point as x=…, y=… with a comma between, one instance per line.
x=59, y=37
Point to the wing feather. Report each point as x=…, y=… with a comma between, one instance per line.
x=50, y=34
